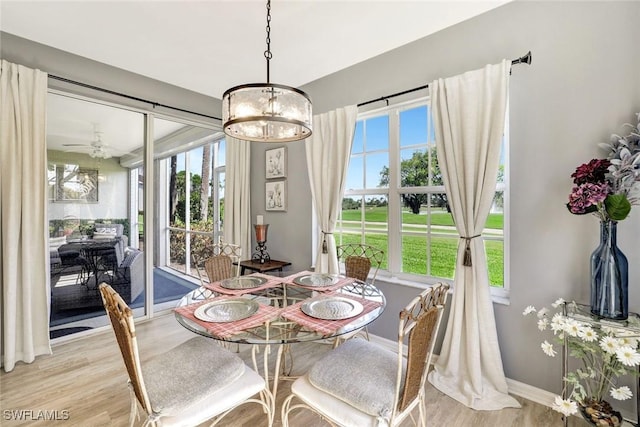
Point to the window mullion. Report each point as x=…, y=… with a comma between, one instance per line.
x=394, y=218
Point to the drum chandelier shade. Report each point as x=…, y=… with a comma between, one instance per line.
x=266, y=112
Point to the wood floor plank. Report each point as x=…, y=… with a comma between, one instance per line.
x=86, y=378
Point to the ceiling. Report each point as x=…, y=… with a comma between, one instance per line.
x=209, y=46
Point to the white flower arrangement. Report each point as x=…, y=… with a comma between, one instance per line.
x=607, y=352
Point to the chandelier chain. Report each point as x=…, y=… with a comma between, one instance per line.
x=267, y=53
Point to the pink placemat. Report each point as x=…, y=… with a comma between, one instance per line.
x=264, y=314
x=326, y=327
x=342, y=281
x=271, y=282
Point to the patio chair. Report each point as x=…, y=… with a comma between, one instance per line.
x=363, y=384
x=187, y=385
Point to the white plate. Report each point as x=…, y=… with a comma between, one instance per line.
x=332, y=308
x=226, y=310
x=316, y=279
x=243, y=282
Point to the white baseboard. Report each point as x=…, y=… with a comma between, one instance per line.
x=517, y=388
x=529, y=392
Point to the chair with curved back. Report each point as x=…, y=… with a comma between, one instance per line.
x=359, y=259
x=363, y=384
x=187, y=385
x=218, y=263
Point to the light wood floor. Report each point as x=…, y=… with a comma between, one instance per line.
x=86, y=377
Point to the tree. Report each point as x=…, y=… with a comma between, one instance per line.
x=205, y=184
x=414, y=172
x=194, y=196
x=498, y=199
x=173, y=190
x=349, y=203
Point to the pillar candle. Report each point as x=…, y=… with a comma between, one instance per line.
x=259, y=220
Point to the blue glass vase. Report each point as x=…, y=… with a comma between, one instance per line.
x=609, y=276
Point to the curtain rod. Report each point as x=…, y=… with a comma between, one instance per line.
x=124, y=95
x=525, y=59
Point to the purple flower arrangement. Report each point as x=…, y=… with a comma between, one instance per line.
x=609, y=187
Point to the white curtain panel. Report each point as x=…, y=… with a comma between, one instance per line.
x=469, y=117
x=328, y=151
x=24, y=257
x=237, y=197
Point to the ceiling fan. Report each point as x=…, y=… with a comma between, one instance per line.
x=97, y=149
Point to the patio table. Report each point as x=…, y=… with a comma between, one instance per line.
x=280, y=320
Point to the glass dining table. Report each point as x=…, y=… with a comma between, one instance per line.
x=265, y=311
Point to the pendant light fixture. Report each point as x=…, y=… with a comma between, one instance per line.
x=266, y=112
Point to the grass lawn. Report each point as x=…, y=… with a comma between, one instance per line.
x=415, y=254
x=438, y=217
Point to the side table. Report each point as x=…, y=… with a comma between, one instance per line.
x=256, y=266
x=629, y=328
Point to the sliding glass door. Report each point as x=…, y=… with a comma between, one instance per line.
x=99, y=230
x=189, y=185
x=94, y=210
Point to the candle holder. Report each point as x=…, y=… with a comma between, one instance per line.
x=261, y=254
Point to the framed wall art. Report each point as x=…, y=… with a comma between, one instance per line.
x=276, y=195
x=276, y=163
x=76, y=184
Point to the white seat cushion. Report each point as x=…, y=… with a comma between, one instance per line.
x=104, y=236
x=331, y=407
x=360, y=373
x=185, y=374
x=56, y=242
x=228, y=397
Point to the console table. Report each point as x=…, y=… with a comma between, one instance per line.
x=256, y=266
x=630, y=328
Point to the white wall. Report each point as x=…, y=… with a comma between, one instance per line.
x=113, y=186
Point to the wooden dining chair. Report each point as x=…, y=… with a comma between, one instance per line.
x=363, y=384
x=187, y=385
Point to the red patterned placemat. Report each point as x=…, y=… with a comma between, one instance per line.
x=342, y=281
x=272, y=281
x=264, y=314
x=326, y=327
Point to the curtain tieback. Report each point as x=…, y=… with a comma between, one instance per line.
x=466, y=260
x=325, y=249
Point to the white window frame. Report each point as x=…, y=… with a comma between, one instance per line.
x=394, y=191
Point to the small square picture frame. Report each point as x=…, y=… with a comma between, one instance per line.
x=275, y=163
x=275, y=194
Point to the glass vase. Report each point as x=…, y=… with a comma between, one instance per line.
x=609, y=276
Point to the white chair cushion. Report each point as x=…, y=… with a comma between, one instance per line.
x=228, y=397
x=360, y=373
x=56, y=242
x=340, y=412
x=188, y=373
x=104, y=236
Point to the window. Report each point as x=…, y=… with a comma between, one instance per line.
x=191, y=187
x=395, y=198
